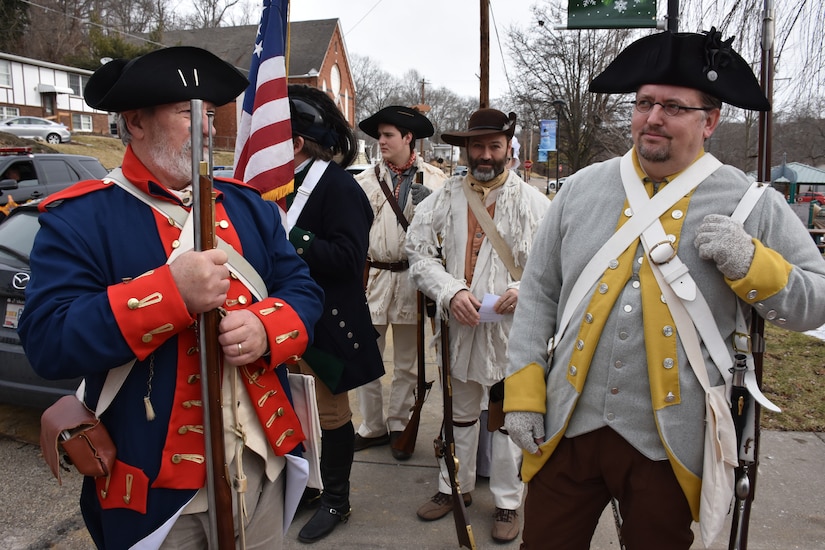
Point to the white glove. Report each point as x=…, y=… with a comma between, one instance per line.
x=725, y=241
x=524, y=428
x=419, y=192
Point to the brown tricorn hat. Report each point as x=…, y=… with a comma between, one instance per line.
x=167, y=75
x=703, y=62
x=400, y=117
x=483, y=122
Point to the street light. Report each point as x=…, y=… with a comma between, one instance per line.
x=558, y=105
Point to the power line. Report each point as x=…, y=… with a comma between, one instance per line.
x=369, y=11
x=500, y=51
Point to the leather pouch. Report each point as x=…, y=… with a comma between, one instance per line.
x=85, y=441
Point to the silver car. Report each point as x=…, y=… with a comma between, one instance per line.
x=33, y=127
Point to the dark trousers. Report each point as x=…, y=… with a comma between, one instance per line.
x=566, y=498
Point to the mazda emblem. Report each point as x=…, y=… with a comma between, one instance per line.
x=20, y=280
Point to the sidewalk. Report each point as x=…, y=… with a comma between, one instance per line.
x=788, y=514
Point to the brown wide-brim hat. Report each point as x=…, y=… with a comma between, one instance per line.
x=400, y=117
x=167, y=75
x=483, y=122
x=691, y=60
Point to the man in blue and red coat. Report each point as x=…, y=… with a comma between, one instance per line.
x=114, y=280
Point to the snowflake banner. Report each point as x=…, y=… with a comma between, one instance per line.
x=611, y=14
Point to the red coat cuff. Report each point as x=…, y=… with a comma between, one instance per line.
x=149, y=310
x=285, y=331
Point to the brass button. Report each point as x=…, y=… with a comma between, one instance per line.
x=132, y=303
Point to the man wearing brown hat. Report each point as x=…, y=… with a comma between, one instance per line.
x=617, y=345
x=467, y=244
x=393, y=191
x=116, y=291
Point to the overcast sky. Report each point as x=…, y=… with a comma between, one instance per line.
x=438, y=38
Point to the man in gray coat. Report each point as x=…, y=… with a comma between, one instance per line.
x=616, y=410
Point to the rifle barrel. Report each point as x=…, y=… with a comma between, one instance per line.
x=219, y=492
x=464, y=530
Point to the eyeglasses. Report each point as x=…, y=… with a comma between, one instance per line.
x=670, y=108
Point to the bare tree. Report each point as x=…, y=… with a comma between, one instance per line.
x=209, y=13
x=553, y=65
x=799, y=55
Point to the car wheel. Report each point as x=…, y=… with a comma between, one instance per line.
x=53, y=138
x=798, y=199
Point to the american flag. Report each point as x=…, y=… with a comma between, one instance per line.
x=263, y=150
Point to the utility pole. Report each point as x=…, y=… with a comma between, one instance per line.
x=422, y=108
x=484, y=93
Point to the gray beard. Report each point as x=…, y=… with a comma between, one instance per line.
x=177, y=163
x=483, y=175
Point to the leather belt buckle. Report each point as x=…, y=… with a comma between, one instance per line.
x=742, y=343
x=662, y=252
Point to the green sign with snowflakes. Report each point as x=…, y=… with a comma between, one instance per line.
x=611, y=14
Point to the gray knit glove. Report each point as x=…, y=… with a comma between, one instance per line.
x=725, y=242
x=524, y=428
x=419, y=192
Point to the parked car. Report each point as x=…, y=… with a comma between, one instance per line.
x=460, y=171
x=27, y=176
x=223, y=171
x=809, y=196
x=33, y=127
x=19, y=385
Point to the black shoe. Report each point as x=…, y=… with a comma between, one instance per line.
x=362, y=443
x=322, y=523
x=397, y=453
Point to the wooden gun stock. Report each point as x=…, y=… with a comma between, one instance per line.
x=445, y=446
x=222, y=527
x=406, y=443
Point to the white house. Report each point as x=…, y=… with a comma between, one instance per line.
x=29, y=87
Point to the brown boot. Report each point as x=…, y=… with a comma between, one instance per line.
x=505, y=526
x=439, y=506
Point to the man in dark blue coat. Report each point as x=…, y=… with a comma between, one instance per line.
x=329, y=220
x=114, y=282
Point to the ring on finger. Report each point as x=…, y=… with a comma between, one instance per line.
x=240, y=349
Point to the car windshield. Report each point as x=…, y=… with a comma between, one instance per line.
x=17, y=237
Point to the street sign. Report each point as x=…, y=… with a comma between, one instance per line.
x=528, y=164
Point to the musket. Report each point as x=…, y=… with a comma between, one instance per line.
x=406, y=443
x=445, y=446
x=741, y=401
x=219, y=492
x=748, y=470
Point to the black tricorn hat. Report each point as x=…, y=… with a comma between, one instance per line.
x=691, y=60
x=167, y=75
x=483, y=122
x=403, y=117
